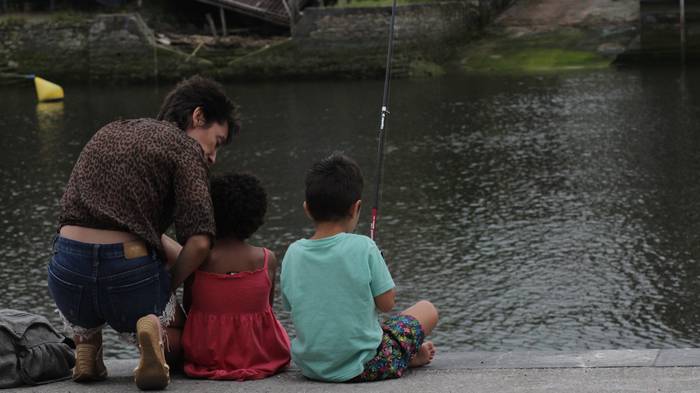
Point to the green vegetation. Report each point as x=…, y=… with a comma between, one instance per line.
x=288, y=58
x=535, y=60
x=10, y=22
x=424, y=69
x=552, y=51
x=52, y=18
x=68, y=17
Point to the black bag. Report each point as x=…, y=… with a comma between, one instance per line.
x=32, y=352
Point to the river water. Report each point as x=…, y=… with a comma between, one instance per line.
x=551, y=212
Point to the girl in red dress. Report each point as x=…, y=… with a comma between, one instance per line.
x=231, y=331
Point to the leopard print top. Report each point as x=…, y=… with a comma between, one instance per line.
x=139, y=176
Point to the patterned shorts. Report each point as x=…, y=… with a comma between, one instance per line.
x=402, y=338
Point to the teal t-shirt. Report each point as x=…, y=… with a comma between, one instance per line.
x=329, y=286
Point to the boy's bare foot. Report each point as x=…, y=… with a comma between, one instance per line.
x=424, y=356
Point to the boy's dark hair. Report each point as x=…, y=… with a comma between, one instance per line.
x=202, y=92
x=240, y=204
x=332, y=186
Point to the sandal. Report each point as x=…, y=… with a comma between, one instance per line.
x=89, y=366
x=152, y=372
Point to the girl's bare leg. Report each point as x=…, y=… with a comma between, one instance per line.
x=173, y=353
x=427, y=315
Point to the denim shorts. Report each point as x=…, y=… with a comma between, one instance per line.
x=94, y=284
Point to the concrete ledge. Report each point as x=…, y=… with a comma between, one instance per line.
x=652, y=370
x=541, y=359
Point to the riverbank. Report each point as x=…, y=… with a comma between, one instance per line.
x=554, y=35
x=669, y=370
x=432, y=39
x=339, y=43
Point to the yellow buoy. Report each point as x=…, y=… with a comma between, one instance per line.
x=47, y=91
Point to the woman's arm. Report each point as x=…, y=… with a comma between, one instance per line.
x=172, y=249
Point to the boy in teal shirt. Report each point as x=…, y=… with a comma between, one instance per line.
x=334, y=282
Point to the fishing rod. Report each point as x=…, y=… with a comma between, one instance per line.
x=382, y=123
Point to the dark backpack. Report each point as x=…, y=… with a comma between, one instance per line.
x=32, y=352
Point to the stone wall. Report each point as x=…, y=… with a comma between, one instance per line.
x=431, y=23
x=110, y=47
x=40, y=45
x=368, y=27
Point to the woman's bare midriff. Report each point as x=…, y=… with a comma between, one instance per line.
x=95, y=236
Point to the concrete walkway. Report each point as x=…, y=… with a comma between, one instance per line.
x=672, y=370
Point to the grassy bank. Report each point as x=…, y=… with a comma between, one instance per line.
x=565, y=49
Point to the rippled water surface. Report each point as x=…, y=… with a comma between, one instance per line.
x=537, y=212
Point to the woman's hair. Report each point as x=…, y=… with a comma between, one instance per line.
x=205, y=93
x=333, y=185
x=240, y=203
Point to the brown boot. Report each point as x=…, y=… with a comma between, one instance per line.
x=152, y=372
x=89, y=366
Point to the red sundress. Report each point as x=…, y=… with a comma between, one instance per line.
x=231, y=331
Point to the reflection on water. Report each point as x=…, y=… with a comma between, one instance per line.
x=49, y=123
x=553, y=212
x=49, y=115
